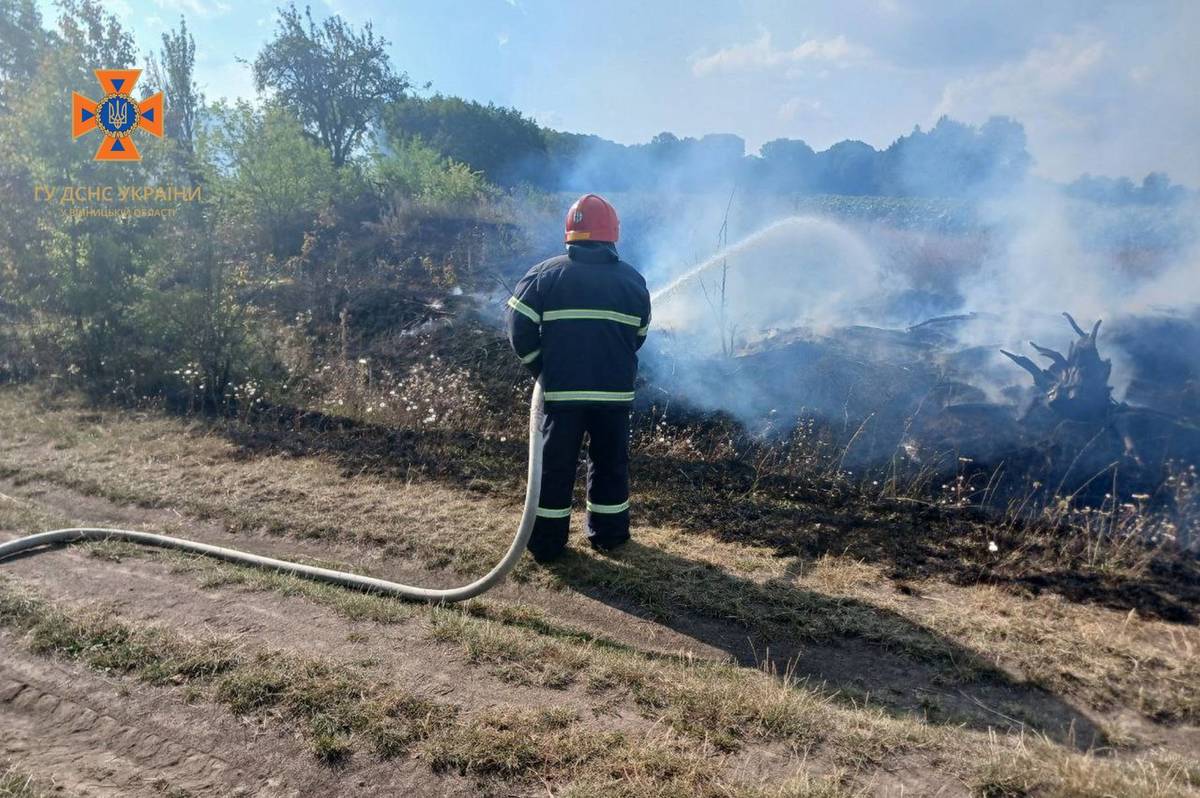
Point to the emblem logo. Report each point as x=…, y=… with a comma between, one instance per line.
x=117, y=115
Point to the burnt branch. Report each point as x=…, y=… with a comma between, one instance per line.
x=1050, y=354
x=1040, y=378
x=1078, y=330
x=1076, y=385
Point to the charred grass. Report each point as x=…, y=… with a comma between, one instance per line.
x=791, y=499
x=749, y=593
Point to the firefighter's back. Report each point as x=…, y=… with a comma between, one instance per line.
x=595, y=311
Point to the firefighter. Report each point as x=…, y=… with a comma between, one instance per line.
x=577, y=322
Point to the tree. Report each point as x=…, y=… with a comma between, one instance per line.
x=848, y=167
x=277, y=178
x=78, y=269
x=789, y=165
x=174, y=72
x=95, y=35
x=956, y=160
x=418, y=172
x=331, y=76
x=21, y=38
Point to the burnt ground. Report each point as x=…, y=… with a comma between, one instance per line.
x=949, y=653
x=796, y=515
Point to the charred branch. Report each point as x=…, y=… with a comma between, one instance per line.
x=1076, y=385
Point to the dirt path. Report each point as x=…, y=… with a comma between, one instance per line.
x=570, y=607
x=146, y=590
x=99, y=738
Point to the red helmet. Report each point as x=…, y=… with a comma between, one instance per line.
x=591, y=218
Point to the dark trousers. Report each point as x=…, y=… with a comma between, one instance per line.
x=607, y=478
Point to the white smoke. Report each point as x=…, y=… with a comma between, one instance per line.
x=798, y=271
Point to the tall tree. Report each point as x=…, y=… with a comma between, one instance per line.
x=21, y=37
x=330, y=75
x=174, y=73
x=95, y=34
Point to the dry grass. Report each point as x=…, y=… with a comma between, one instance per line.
x=1037, y=768
x=1110, y=659
x=340, y=711
x=16, y=784
x=1065, y=647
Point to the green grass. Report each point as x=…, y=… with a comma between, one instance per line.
x=16, y=784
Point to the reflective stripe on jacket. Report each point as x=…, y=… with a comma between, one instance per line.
x=578, y=321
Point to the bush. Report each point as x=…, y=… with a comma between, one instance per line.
x=416, y=171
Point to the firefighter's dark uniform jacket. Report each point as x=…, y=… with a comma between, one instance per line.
x=577, y=321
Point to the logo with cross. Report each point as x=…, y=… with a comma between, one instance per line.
x=117, y=115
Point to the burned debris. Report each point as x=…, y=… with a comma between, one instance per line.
x=938, y=395
x=1075, y=386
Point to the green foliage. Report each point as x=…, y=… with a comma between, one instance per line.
x=500, y=142
x=416, y=171
x=83, y=270
x=21, y=37
x=95, y=34
x=270, y=174
x=329, y=75
x=174, y=73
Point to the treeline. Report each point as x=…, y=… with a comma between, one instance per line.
x=949, y=160
x=1155, y=189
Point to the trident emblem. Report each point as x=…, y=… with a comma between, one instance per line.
x=117, y=115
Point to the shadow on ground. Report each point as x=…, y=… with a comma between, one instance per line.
x=728, y=500
x=848, y=649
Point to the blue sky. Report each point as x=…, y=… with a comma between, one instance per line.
x=1105, y=87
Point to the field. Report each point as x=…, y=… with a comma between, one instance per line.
x=746, y=648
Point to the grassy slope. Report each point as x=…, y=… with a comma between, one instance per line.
x=1128, y=671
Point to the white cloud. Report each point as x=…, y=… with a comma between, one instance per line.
x=1092, y=101
x=199, y=8
x=1043, y=78
x=502, y=39
x=762, y=54
x=802, y=107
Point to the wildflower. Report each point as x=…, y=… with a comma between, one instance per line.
x=992, y=547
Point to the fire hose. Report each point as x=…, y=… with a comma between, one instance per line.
x=533, y=487
x=357, y=581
